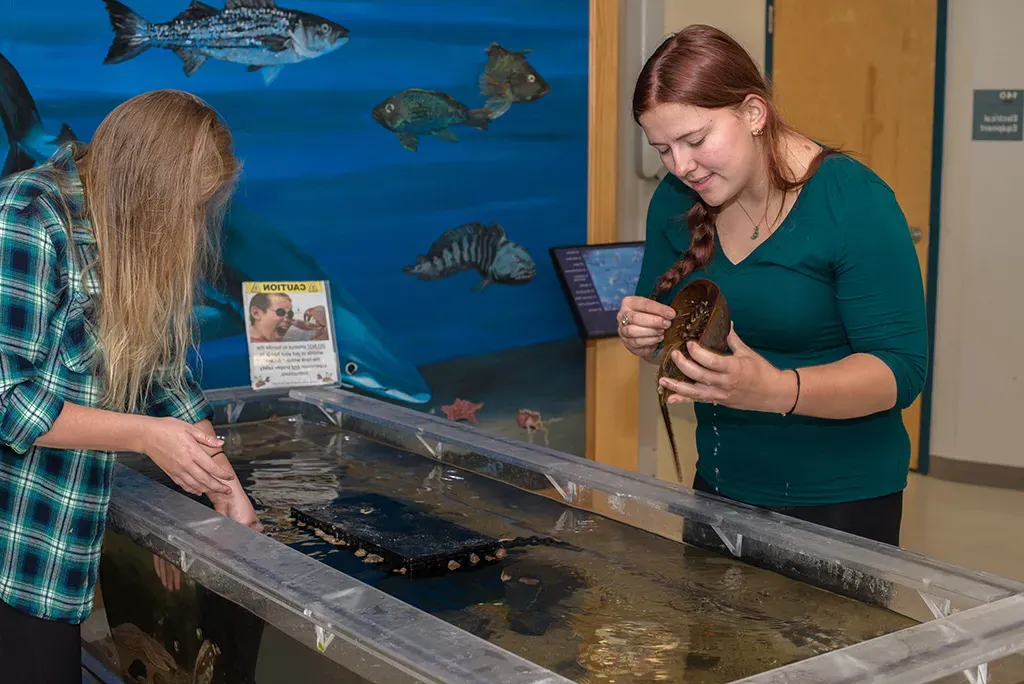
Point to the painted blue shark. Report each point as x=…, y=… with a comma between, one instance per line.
x=368, y=361
x=368, y=358
x=24, y=140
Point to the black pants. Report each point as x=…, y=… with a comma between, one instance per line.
x=877, y=518
x=36, y=651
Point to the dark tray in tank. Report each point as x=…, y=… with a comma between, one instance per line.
x=401, y=537
x=406, y=539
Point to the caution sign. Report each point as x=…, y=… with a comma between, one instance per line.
x=290, y=332
x=286, y=287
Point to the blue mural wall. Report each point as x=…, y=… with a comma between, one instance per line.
x=409, y=137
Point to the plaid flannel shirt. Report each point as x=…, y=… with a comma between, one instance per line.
x=53, y=502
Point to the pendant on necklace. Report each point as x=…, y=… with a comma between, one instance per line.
x=757, y=231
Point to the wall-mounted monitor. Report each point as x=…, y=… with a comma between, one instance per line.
x=596, y=279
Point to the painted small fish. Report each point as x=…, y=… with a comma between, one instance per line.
x=415, y=112
x=508, y=78
x=257, y=33
x=476, y=246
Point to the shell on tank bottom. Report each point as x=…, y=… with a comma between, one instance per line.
x=631, y=647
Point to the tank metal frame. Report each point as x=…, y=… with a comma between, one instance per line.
x=967, y=619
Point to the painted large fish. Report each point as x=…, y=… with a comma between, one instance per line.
x=257, y=33
x=474, y=246
x=508, y=79
x=415, y=112
x=26, y=142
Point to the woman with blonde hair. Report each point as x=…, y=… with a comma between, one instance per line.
x=102, y=249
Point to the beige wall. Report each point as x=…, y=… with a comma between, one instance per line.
x=978, y=400
x=744, y=20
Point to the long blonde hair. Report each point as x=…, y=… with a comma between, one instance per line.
x=157, y=176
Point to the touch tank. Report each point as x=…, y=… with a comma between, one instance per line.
x=402, y=547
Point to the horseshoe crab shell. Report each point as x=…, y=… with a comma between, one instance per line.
x=702, y=314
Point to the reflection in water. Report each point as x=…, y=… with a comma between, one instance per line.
x=639, y=649
x=623, y=606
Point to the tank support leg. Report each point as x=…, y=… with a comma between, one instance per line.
x=941, y=608
x=733, y=542
x=435, y=451
x=235, y=410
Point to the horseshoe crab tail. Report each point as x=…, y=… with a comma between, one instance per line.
x=671, y=435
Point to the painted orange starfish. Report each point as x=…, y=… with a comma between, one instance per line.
x=461, y=409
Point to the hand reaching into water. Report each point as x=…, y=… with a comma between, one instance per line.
x=182, y=450
x=236, y=504
x=237, y=507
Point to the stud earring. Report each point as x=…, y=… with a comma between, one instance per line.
x=757, y=132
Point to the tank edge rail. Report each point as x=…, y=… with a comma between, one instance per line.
x=964, y=642
x=363, y=629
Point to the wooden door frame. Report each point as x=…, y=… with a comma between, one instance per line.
x=934, y=209
x=613, y=374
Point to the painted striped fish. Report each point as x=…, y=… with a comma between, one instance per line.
x=475, y=246
x=256, y=33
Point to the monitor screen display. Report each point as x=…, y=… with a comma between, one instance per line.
x=596, y=279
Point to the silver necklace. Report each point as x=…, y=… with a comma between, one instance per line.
x=757, y=228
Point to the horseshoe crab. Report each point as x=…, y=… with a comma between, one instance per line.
x=702, y=314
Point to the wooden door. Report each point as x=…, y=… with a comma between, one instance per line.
x=861, y=74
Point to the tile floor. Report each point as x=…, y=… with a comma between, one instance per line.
x=977, y=527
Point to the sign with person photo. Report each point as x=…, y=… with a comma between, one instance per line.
x=290, y=334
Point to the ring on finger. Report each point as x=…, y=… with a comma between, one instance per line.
x=624, y=320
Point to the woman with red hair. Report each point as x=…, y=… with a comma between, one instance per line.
x=815, y=259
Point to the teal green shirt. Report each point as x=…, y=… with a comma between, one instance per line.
x=839, y=276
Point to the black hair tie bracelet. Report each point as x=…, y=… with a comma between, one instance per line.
x=797, y=400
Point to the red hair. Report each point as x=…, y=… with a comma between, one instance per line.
x=704, y=67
